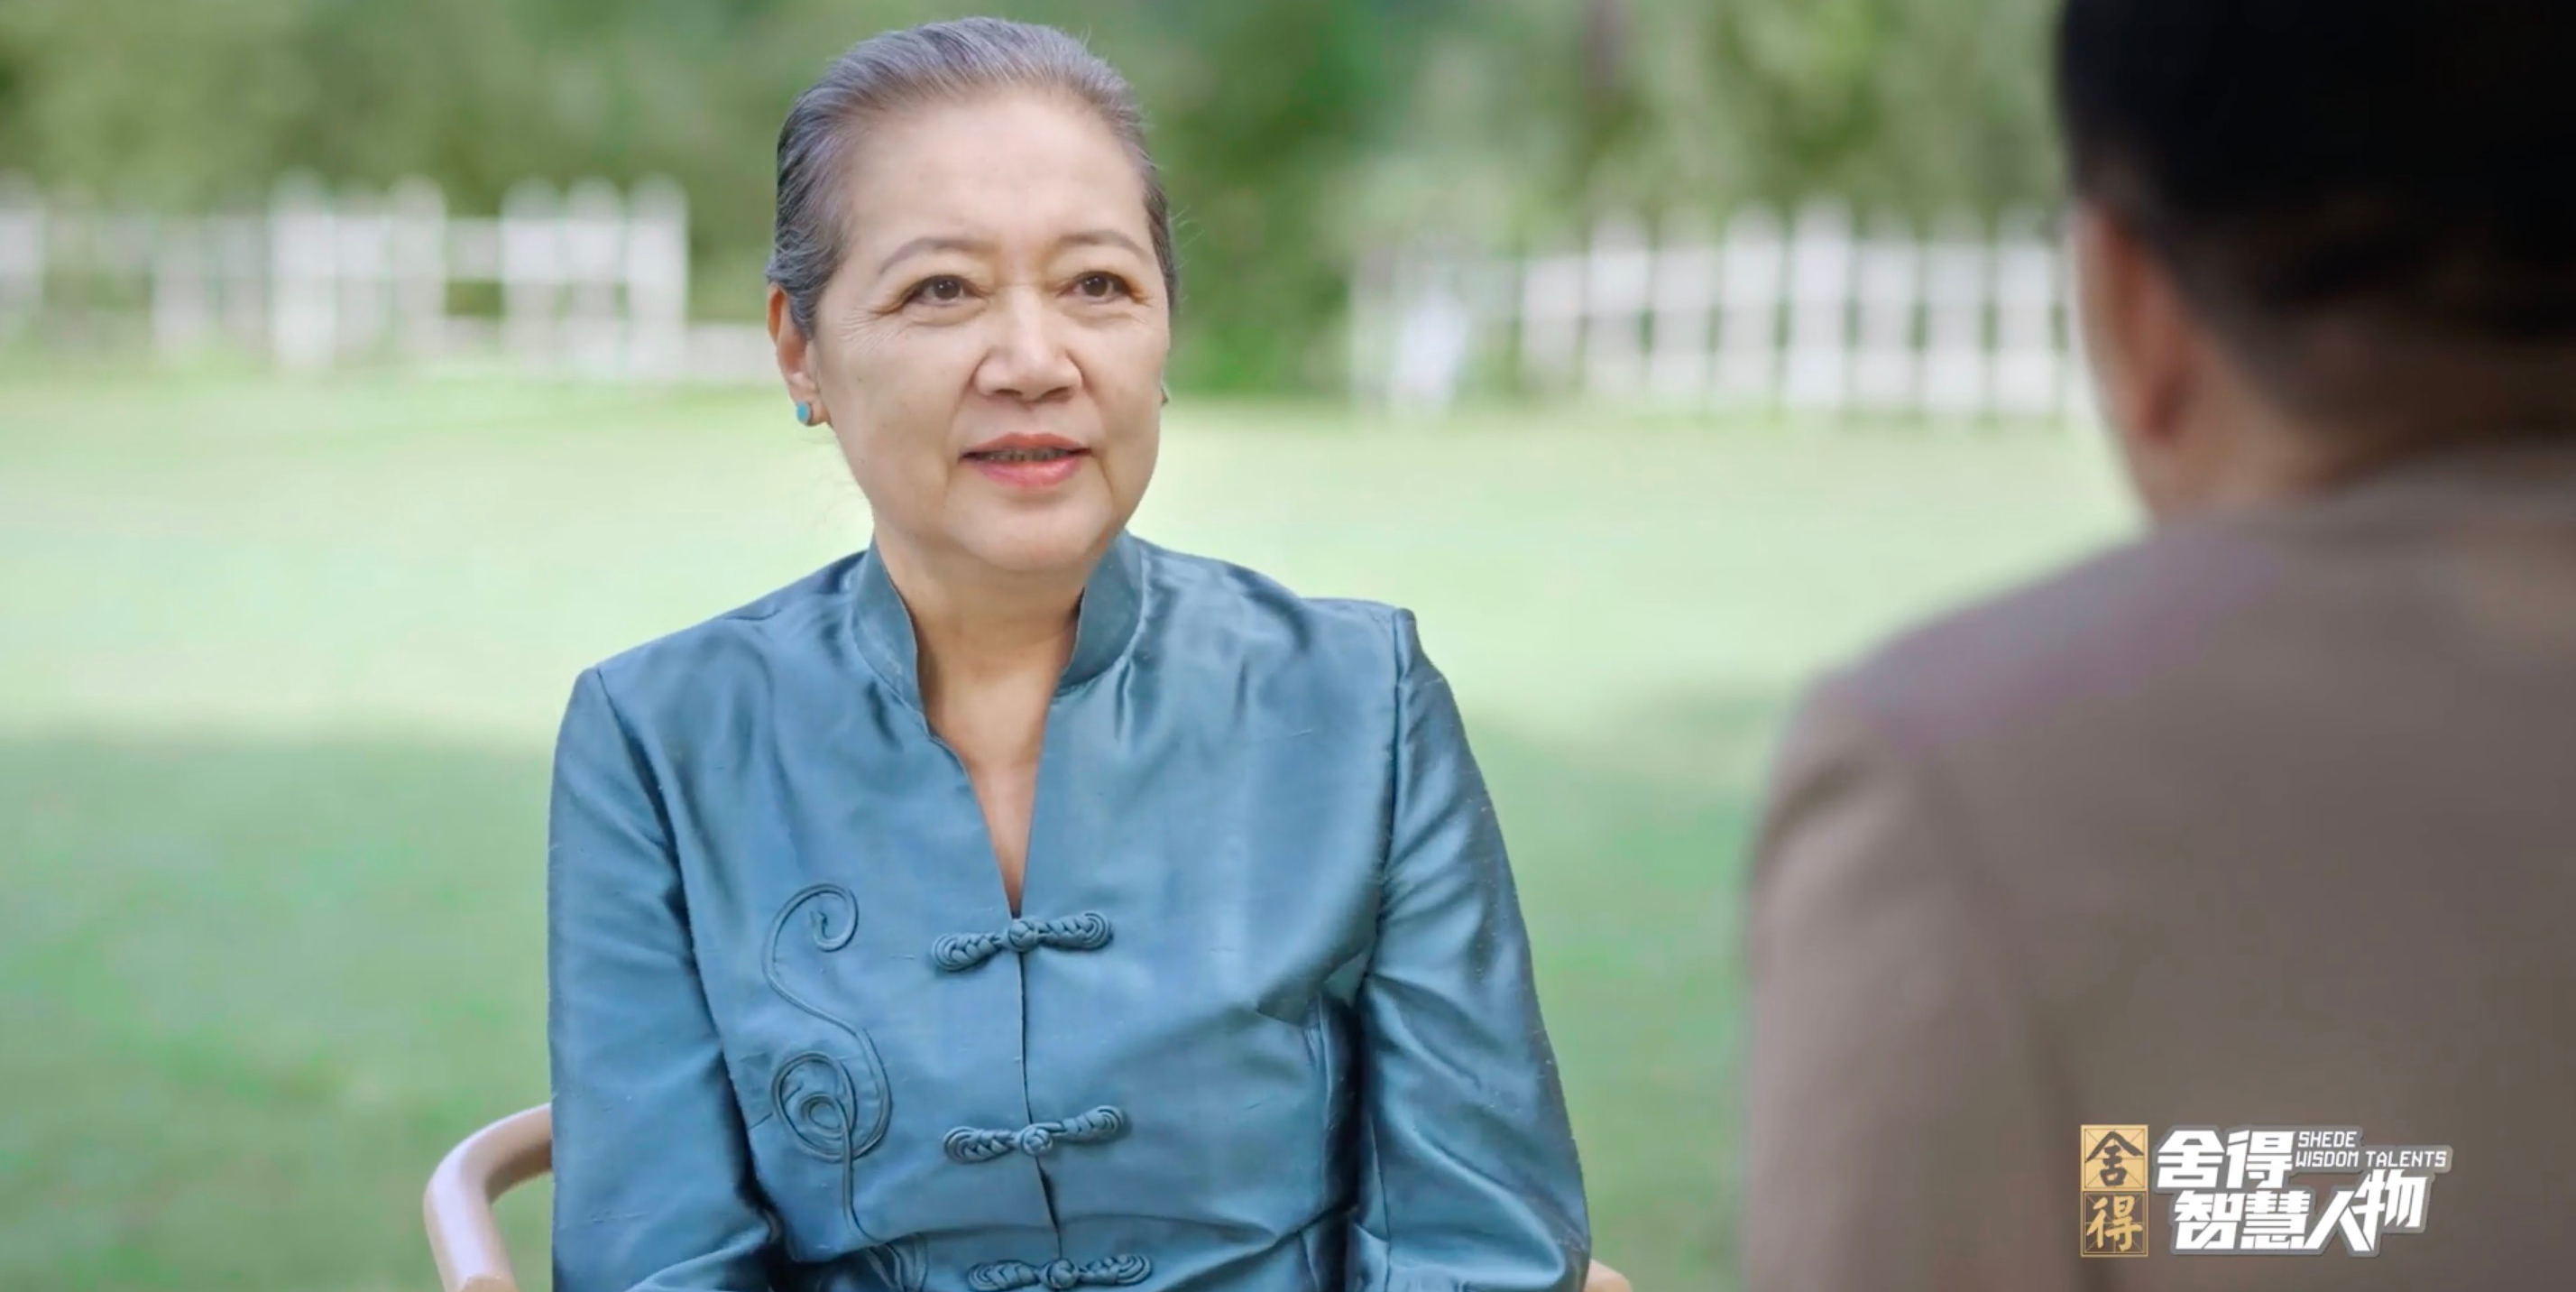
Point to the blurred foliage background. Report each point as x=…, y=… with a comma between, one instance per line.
x=1294, y=132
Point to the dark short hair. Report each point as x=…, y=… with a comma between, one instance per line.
x=942, y=62
x=2399, y=170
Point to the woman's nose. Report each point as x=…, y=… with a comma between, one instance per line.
x=1028, y=360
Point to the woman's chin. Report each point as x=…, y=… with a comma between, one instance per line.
x=1058, y=539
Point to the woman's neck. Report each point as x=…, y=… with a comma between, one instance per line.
x=992, y=644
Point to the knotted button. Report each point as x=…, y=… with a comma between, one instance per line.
x=958, y=952
x=1059, y=1274
x=972, y=1144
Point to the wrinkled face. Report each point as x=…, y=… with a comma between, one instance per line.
x=990, y=354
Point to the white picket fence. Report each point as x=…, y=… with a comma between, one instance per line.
x=1818, y=314
x=590, y=280
x=1813, y=315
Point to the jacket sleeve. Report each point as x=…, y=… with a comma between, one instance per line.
x=1904, y=1126
x=652, y=1184
x=1468, y=1176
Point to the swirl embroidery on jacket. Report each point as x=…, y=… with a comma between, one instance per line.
x=900, y=1264
x=830, y=1113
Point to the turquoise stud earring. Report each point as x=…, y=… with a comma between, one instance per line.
x=804, y=413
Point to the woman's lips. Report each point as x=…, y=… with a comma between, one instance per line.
x=1029, y=467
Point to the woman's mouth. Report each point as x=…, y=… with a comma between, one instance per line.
x=1023, y=455
x=1028, y=466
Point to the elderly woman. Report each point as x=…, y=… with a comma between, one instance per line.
x=1016, y=903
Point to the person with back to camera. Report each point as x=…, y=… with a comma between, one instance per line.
x=1017, y=904
x=2268, y=820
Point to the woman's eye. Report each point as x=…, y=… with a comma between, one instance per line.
x=943, y=290
x=1101, y=287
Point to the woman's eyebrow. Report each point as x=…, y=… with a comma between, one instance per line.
x=1101, y=238
x=982, y=246
x=927, y=245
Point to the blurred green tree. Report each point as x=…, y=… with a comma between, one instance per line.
x=1294, y=133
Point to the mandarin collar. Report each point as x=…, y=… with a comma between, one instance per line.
x=1113, y=603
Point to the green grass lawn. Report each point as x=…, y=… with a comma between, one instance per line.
x=279, y=664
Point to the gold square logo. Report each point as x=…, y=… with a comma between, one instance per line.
x=2114, y=1224
x=2111, y=1190
x=2111, y=1157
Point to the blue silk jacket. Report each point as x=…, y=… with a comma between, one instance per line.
x=1265, y=1022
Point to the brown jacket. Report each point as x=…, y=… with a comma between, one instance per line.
x=2260, y=822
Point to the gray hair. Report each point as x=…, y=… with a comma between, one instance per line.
x=941, y=62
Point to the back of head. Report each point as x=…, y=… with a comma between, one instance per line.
x=2371, y=202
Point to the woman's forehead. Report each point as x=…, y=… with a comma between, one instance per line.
x=1004, y=169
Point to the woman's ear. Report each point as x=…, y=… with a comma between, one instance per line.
x=795, y=357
